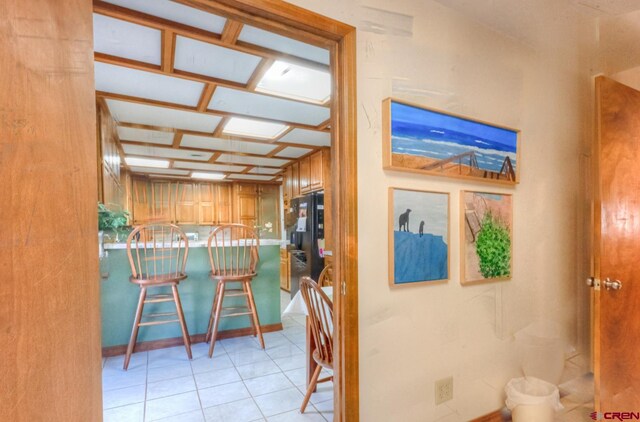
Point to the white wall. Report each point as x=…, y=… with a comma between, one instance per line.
x=412, y=336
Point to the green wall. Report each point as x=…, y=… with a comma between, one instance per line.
x=119, y=297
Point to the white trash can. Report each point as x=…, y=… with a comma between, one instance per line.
x=532, y=400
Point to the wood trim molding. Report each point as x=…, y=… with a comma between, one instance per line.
x=145, y=346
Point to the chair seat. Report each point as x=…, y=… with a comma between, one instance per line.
x=324, y=363
x=158, y=279
x=221, y=276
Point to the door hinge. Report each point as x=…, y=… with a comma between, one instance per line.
x=594, y=282
x=343, y=288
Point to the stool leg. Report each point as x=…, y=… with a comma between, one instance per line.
x=254, y=313
x=183, y=325
x=216, y=316
x=136, y=327
x=213, y=308
x=246, y=297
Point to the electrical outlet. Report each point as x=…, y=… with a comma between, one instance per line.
x=444, y=390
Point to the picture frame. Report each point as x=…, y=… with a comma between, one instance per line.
x=486, y=237
x=423, y=140
x=419, y=237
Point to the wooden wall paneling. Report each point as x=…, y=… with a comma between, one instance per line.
x=141, y=200
x=224, y=203
x=328, y=204
x=50, y=313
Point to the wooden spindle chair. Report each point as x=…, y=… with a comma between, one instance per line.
x=320, y=309
x=158, y=255
x=326, y=276
x=234, y=256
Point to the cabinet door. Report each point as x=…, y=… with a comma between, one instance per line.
x=269, y=211
x=185, y=203
x=305, y=175
x=315, y=171
x=140, y=200
x=286, y=184
x=224, y=203
x=161, y=202
x=207, y=204
x=295, y=180
x=285, y=283
x=246, y=211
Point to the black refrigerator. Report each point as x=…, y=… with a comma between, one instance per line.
x=305, y=232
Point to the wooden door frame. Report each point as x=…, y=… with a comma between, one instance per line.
x=298, y=23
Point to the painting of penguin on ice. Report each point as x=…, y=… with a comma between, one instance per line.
x=419, y=236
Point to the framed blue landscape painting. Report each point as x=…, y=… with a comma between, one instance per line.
x=422, y=140
x=418, y=236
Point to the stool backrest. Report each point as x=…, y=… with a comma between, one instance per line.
x=326, y=276
x=320, y=310
x=233, y=250
x=157, y=250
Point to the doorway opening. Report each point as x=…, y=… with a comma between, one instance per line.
x=194, y=91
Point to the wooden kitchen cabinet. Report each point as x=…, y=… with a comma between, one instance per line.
x=304, y=175
x=285, y=270
x=140, y=200
x=314, y=169
x=316, y=179
x=186, y=204
x=286, y=185
x=161, y=202
x=224, y=203
x=207, y=210
x=246, y=204
x=295, y=180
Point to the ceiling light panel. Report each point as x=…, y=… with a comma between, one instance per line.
x=207, y=176
x=144, y=135
x=296, y=82
x=205, y=142
x=249, y=177
x=254, y=128
x=123, y=111
x=211, y=60
x=124, y=39
x=171, y=172
x=267, y=107
x=137, y=83
x=264, y=170
x=175, y=12
x=315, y=138
x=207, y=166
x=286, y=45
x=293, y=152
x=146, y=162
x=256, y=161
x=178, y=154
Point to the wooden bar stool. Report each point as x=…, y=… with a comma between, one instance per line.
x=233, y=253
x=158, y=255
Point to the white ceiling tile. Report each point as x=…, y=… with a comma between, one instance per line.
x=137, y=83
x=144, y=135
x=179, y=154
x=173, y=172
x=296, y=82
x=293, y=152
x=250, y=104
x=123, y=111
x=207, y=166
x=211, y=60
x=308, y=137
x=286, y=45
x=218, y=144
x=124, y=39
x=264, y=170
x=175, y=12
x=257, y=161
x=249, y=177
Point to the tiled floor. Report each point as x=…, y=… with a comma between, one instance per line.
x=242, y=382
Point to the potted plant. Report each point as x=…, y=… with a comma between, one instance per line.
x=112, y=221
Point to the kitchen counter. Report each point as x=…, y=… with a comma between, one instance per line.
x=199, y=244
x=119, y=297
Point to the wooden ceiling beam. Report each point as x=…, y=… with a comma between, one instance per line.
x=208, y=134
x=231, y=31
x=278, y=149
x=186, y=160
x=218, y=132
x=168, y=50
x=260, y=71
x=177, y=139
x=194, y=149
x=175, y=106
x=133, y=16
x=205, y=97
x=324, y=125
x=214, y=157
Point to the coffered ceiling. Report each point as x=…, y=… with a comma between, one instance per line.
x=195, y=91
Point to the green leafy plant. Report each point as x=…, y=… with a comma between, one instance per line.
x=493, y=246
x=111, y=220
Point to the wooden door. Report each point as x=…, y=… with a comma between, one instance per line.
x=224, y=203
x=617, y=248
x=305, y=175
x=186, y=211
x=141, y=201
x=207, y=204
